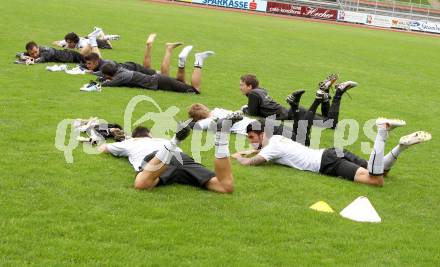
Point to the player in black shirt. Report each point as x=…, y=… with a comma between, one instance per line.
x=94, y=63
x=260, y=104
x=118, y=76
x=40, y=54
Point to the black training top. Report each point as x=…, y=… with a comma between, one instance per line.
x=49, y=54
x=124, y=77
x=260, y=104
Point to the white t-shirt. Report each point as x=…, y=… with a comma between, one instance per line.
x=137, y=148
x=83, y=42
x=287, y=152
x=219, y=113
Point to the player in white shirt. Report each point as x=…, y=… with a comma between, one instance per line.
x=203, y=118
x=161, y=162
x=72, y=40
x=332, y=161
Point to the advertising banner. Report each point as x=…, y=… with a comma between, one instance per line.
x=302, y=11
x=399, y=23
x=283, y=8
x=425, y=26
x=258, y=5
x=350, y=16
x=379, y=21
x=319, y=13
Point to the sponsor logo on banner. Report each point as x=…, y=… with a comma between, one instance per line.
x=399, y=23
x=350, y=16
x=283, y=8
x=259, y=5
x=425, y=26
x=302, y=11
x=379, y=21
x=318, y=13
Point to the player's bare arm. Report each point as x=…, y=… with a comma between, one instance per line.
x=254, y=161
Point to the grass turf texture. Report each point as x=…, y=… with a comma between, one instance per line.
x=54, y=213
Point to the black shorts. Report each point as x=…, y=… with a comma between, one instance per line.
x=138, y=68
x=344, y=167
x=190, y=173
x=68, y=56
x=170, y=84
x=103, y=44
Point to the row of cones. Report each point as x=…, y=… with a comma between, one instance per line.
x=360, y=210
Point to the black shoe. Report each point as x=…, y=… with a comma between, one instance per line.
x=183, y=131
x=234, y=117
x=328, y=82
x=295, y=97
x=345, y=86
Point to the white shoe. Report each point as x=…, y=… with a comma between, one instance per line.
x=112, y=37
x=75, y=71
x=415, y=138
x=200, y=57
x=57, y=68
x=89, y=87
x=389, y=124
x=185, y=52
x=96, y=31
x=345, y=86
x=203, y=55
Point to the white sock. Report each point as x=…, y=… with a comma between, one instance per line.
x=183, y=55
x=200, y=58
x=221, y=145
x=391, y=157
x=166, y=152
x=111, y=37
x=376, y=162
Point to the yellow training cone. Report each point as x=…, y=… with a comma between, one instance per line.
x=321, y=206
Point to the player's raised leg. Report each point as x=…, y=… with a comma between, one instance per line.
x=196, y=79
x=404, y=143
x=223, y=182
x=180, y=76
x=341, y=88
x=148, y=50
x=373, y=175
x=165, y=67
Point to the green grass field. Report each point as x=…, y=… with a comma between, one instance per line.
x=53, y=213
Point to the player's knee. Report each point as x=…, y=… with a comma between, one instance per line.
x=362, y=174
x=142, y=183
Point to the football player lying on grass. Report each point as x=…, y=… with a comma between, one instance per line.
x=118, y=76
x=94, y=63
x=161, y=162
x=260, y=104
x=97, y=131
x=203, y=118
x=36, y=54
x=331, y=161
x=299, y=130
x=72, y=40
